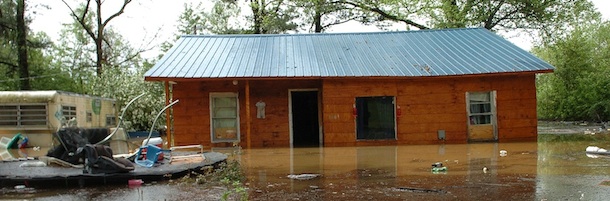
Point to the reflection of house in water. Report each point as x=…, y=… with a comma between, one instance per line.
x=350, y=89
x=379, y=168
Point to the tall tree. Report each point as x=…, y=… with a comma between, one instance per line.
x=271, y=16
x=543, y=16
x=266, y=17
x=578, y=89
x=74, y=53
x=8, y=34
x=319, y=15
x=402, y=11
x=221, y=19
x=22, y=52
x=95, y=28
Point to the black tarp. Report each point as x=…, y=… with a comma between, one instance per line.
x=71, y=139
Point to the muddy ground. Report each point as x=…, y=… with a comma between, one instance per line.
x=554, y=168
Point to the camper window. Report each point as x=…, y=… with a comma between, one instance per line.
x=89, y=116
x=110, y=120
x=69, y=112
x=23, y=115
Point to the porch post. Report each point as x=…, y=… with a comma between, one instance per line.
x=248, y=118
x=167, y=116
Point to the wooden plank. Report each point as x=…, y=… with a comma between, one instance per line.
x=168, y=119
x=517, y=133
x=432, y=127
x=248, y=116
x=480, y=132
x=340, y=127
x=426, y=86
x=520, y=94
x=439, y=118
x=438, y=98
x=516, y=123
x=512, y=105
x=423, y=109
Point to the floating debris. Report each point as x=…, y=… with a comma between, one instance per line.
x=303, y=176
x=419, y=190
x=503, y=153
x=33, y=164
x=438, y=167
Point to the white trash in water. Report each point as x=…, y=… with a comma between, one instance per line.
x=503, y=152
x=303, y=176
x=33, y=164
x=592, y=149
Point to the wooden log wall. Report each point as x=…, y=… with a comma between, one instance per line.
x=429, y=105
x=192, y=113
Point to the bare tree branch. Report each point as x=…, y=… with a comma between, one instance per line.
x=384, y=14
x=121, y=11
x=81, y=19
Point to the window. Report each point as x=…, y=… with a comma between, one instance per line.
x=110, y=120
x=375, y=118
x=89, y=116
x=480, y=108
x=224, y=117
x=23, y=115
x=69, y=112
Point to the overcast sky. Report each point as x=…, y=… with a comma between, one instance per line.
x=144, y=19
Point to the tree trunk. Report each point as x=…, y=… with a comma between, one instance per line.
x=22, y=52
x=255, y=5
x=317, y=18
x=98, y=41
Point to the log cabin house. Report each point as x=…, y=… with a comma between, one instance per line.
x=350, y=89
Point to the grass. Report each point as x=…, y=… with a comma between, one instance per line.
x=572, y=137
x=227, y=175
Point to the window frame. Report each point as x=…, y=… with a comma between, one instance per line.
x=89, y=116
x=43, y=114
x=213, y=137
x=111, y=120
x=492, y=104
x=360, y=136
x=69, y=112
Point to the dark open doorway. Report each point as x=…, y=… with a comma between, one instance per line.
x=305, y=122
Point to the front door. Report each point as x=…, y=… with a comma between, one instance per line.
x=304, y=118
x=481, y=110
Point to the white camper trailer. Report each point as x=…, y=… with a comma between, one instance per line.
x=38, y=114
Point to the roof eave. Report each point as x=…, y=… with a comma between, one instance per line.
x=183, y=79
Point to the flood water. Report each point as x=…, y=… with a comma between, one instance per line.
x=557, y=170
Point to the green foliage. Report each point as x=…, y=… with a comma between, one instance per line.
x=271, y=16
x=579, y=87
x=124, y=85
x=572, y=138
x=227, y=174
x=544, y=18
x=122, y=79
x=35, y=43
x=222, y=19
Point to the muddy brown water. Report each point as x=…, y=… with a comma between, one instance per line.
x=557, y=170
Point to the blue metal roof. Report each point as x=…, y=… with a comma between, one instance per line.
x=382, y=54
